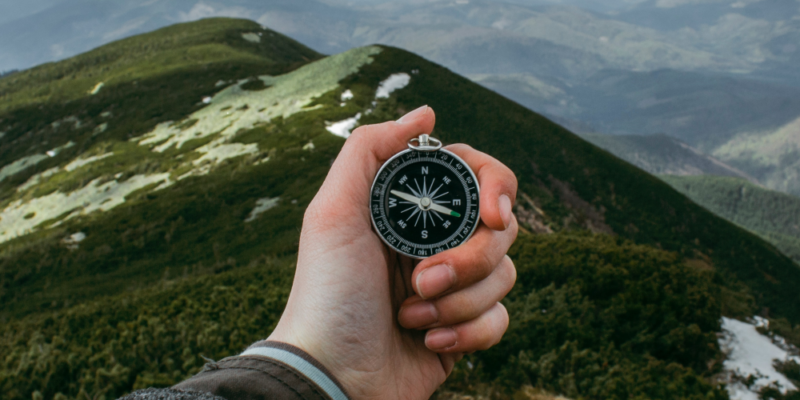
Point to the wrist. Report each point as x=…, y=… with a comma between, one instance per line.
x=303, y=363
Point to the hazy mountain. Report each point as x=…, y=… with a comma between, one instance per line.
x=773, y=155
x=156, y=185
x=663, y=155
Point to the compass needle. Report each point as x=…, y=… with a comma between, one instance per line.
x=444, y=210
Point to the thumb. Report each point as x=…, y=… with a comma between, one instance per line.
x=345, y=192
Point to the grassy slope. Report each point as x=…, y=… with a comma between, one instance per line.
x=196, y=228
x=772, y=215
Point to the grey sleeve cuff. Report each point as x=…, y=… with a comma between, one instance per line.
x=266, y=370
x=301, y=362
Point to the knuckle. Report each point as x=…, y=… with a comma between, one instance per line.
x=459, y=147
x=510, y=272
x=513, y=229
x=360, y=133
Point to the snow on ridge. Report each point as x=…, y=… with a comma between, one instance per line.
x=233, y=109
x=343, y=128
x=751, y=353
x=392, y=83
x=79, y=162
x=29, y=161
x=20, y=218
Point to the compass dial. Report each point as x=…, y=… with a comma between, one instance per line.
x=425, y=202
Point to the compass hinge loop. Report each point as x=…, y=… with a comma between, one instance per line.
x=425, y=143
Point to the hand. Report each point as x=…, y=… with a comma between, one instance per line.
x=363, y=311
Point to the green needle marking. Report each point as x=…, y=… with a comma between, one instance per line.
x=455, y=214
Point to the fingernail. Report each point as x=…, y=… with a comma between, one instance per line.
x=504, y=204
x=422, y=314
x=440, y=339
x=435, y=281
x=412, y=115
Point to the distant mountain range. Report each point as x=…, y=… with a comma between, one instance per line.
x=152, y=192
x=663, y=155
x=713, y=74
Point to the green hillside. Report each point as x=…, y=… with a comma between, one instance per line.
x=772, y=215
x=147, y=223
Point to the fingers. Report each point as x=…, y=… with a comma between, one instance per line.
x=460, y=306
x=464, y=265
x=478, y=334
x=498, y=186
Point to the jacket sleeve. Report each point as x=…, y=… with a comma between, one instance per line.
x=266, y=370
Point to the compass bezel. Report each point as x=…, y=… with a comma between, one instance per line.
x=446, y=246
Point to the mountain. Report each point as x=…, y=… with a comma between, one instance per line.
x=773, y=155
x=662, y=155
x=775, y=216
x=704, y=72
x=153, y=189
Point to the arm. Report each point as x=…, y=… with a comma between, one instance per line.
x=376, y=324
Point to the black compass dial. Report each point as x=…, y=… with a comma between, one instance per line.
x=424, y=203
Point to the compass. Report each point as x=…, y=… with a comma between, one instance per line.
x=425, y=200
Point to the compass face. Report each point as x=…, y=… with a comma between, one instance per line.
x=424, y=203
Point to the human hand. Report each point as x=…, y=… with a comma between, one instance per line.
x=384, y=328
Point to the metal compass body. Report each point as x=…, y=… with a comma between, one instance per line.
x=425, y=200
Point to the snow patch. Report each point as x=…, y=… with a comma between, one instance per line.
x=96, y=88
x=262, y=205
x=392, y=83
x=343, y=128
x=72, y=241
x=347, y=95
x=29, y=161
x=36, y=179
x=95, y=196
x=284, y=96
x=251, y=37
x=100, y=128
x=217, y=153
x=21, y=164
x=751, y=353
x=79, y=162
